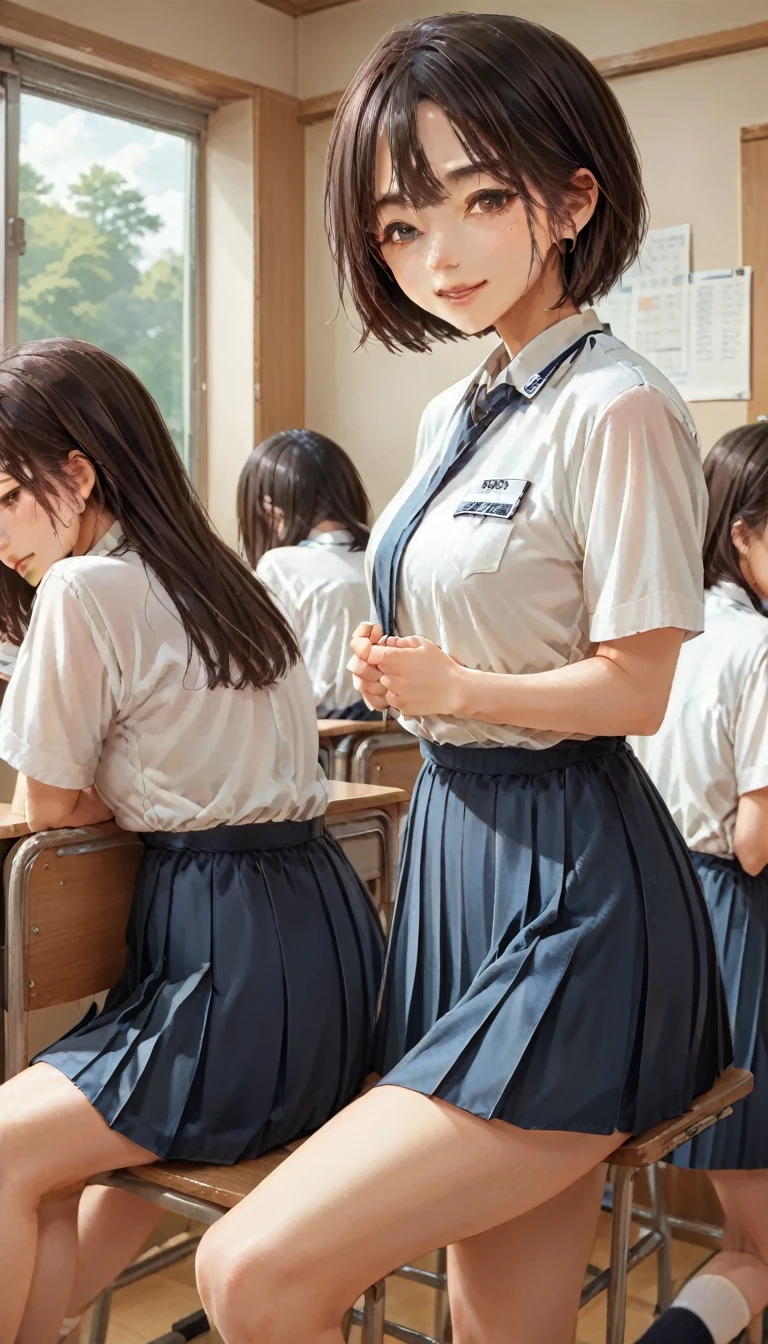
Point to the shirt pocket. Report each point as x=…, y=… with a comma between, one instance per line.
x=477, y=545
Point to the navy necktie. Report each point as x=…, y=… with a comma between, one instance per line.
x=476, y=415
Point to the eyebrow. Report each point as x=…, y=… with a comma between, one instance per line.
x=453, y=176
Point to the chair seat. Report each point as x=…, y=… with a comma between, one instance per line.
x=223, y=1186
x=219, y=1185
x=656, y=1143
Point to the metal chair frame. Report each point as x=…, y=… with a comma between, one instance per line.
x=19, y=862
x=624, y=1256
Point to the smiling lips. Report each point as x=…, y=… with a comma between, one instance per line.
x=462, y=293
x=21, y=563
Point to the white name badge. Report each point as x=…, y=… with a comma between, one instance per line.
x=493, y=497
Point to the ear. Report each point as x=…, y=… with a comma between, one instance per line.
x=740, y=537
x=82, y=476
x=582, y=204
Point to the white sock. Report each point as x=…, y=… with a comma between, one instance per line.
x=718, y=1303
x=68, y=1325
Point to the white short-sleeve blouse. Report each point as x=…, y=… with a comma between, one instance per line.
x=103, y=694
x=713, y=744
x=606, y=541
x=321, y=587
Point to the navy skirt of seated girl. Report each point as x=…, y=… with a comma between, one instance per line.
x=738, y=905
x=245, y=1015
x=552, y=962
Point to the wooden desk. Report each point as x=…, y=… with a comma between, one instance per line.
x=11, y=824
x=332, y=728
x=347, y=798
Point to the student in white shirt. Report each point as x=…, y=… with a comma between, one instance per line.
x=158, y=684
x=552, y=981
x=303, y=518
x=710, y=763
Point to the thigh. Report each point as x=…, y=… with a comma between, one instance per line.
x=51, y=1137
x=530, y=1269
x=390, y=1178
x=744, y=1197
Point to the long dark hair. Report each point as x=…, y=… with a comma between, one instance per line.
x=311, y=479
x=736, y=472
x=528, y=108
x=60, y=395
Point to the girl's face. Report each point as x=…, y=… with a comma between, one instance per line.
x=30, y=541
x=752, y=547
x=469, y=258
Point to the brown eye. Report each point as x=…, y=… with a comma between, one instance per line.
x=491, y=202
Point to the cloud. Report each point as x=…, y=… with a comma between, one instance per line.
x=46, y=142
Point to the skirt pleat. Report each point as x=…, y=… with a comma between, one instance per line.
x=738, y=905
x=551, y=961
x=244, y=1017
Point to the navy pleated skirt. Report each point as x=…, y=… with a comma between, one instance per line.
x=738, y=905
x=552, y=962
x=245, y=1015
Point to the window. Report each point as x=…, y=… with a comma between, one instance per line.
x=102, y=208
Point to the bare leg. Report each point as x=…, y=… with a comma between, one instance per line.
x=744, y=1197
x=527, y=1274
x=51, y=1141
x=54, y=1269
x=82, y=1245
x=387, y=1180
x=112, y=1227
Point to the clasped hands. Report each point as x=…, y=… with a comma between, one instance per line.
x=408, y=673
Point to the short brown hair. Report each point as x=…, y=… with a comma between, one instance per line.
x=736, y=472
x=528, y=107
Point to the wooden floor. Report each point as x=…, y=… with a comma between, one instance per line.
x=147, y=1310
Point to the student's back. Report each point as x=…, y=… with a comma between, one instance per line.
x=322, y=588
x=165, y=751
x=303, y=517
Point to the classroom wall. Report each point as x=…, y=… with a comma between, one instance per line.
x=686, y=121
x=237, y=37
x=229, y=309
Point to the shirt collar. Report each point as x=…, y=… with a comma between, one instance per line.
x=109, y=541
x=538, y=353
x=340, y=537
x=727, y=591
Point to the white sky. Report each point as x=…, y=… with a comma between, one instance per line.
x=61, y=142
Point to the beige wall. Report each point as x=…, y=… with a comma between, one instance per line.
x=237, y=37
x=333, y=42
x=686, y=121
x=229, y=308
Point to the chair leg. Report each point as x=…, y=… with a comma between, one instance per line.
x=346, y=1325
x=373, y=1315
x=443, y=1331
x=623, y=1187
x=100, y=1318
x=660, y=1224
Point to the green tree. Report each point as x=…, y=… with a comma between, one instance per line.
x=81, y=277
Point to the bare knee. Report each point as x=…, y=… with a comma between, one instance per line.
x=256, y=1294
x=23, y=1178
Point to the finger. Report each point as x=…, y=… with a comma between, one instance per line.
x=370, y=691
x=365, y=630
x=363, y=670
x=382, y=656
x=361, y=647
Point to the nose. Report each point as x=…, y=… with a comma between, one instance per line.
x=442, y=254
